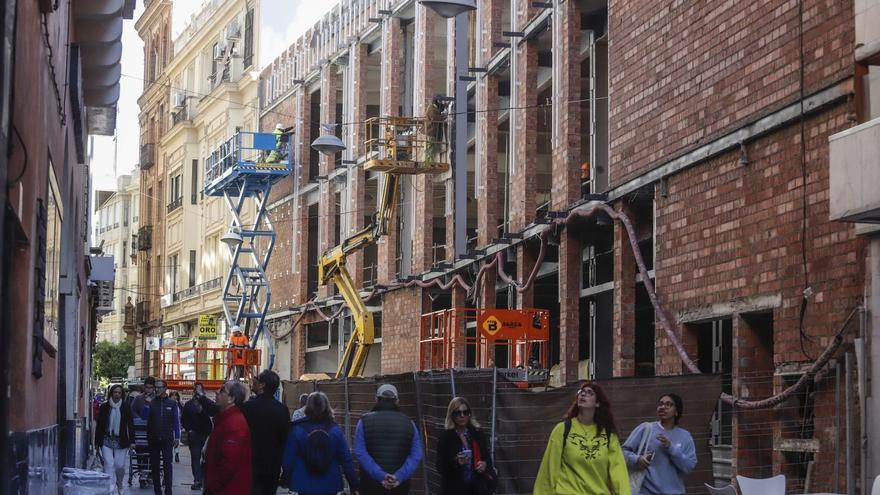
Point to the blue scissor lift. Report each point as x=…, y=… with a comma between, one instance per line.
x=245, y=167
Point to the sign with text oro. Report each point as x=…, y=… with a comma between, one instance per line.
x=207, y=327
x=514, y=324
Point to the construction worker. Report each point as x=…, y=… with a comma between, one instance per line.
x=435, y=128
x=282, y=136
x=238, y=343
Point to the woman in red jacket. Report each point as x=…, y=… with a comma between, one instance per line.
x=228, y=455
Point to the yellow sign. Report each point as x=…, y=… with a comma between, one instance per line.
x=207, y=327
x=492, y=325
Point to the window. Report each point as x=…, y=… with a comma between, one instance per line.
x=194, y=173
x=124, y=253
x=317, y=336
x=172, y=273
x=176, y=192
x=48, y=265
x=867, y=92
x=248, y=38
x=125, y=213
x=192, y=268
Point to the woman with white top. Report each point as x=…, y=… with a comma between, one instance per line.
x=114, y=433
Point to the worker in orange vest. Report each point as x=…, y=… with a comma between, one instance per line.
x=238, y=342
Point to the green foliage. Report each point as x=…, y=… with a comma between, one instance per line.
x=112, y=360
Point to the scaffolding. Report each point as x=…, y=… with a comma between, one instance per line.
x=244, y=168
x=476, y=337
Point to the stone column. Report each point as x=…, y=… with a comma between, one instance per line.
x=301, y=140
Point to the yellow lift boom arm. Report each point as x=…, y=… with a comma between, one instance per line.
x=332, y=266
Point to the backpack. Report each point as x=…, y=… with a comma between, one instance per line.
x=318, y=453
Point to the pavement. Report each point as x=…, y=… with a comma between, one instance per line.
x=182, y=479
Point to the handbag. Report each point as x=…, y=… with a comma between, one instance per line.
x=487, y=481
x=637, y=475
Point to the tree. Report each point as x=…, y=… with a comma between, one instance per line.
x=112, y=360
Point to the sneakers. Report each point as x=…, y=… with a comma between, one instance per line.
x=196, y=486
x=176, y=457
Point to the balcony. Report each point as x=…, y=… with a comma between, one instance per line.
x=177, y=203
x=196, y=290
x=145, y=238
x=855, y=173
x=179, y=116
x=142, y=313
x=148, y=156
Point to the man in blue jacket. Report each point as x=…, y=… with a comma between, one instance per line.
x=163, y=435
x=387, y=446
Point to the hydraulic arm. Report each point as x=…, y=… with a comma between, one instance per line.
x=331, y=266
x=394, y=147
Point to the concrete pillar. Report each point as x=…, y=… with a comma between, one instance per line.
x=355, y=208
x=327, y=203
x=623, y=350
x=490, y=29
x=392, y=39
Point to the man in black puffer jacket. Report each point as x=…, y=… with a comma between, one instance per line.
x=196, y=420
x=387, y=445
x=163, y=435
x=268, y=421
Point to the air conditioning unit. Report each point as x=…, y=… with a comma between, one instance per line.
x=165, y=301
x=179, y=101
x=219, y=50
x=233, y=31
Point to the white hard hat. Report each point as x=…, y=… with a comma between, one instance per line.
x=279, y=127
x=236, y=328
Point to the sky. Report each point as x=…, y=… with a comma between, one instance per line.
x=281, y=23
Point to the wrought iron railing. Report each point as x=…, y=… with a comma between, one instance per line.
x=147, y=156
x=145, y=238
x=177, y=203
x=196, y=289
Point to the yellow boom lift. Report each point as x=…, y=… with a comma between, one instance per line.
x=396, y=146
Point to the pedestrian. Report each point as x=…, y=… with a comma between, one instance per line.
x=114, y=433
x=175, y=396
x=228, y=454
x=670, y=453
x=316, y=453
x=301, y=412
x=196, y=420
x=583, y=456
x=387, y=446
x=268, y=422
x=163, y=435
x=141, y=401
x=463, y=458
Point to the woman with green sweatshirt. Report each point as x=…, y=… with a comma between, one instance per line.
x=583, y=456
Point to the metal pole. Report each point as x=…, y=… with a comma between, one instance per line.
x=850, y=468
x=863, y=424
x=460, y=150
x=837, y=425
x=494, y=398
x=452, y=381
x=424, y=432
x=347, y=412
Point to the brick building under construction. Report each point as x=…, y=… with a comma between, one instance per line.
x=707, y=125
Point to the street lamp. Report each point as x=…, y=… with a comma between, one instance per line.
x=449, y=8
x=328, y=144
x=458, y=9
x=231, y=238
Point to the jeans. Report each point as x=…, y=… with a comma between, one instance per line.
x=164, y=450
x=114, y=463
x=196, y=443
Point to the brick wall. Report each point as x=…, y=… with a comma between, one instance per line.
x=400, y=330
x=689, y=81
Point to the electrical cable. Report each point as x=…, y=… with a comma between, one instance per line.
x=24, y=165
x=52, y=75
